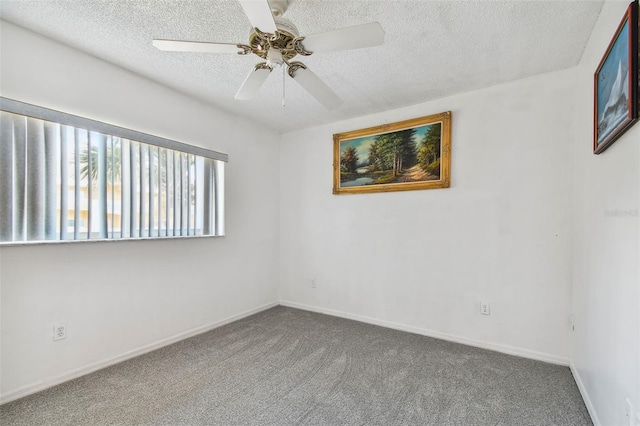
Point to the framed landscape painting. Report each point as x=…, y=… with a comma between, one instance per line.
x=616, y=81
x=407, y=155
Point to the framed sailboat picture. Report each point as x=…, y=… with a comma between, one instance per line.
x=616, y=84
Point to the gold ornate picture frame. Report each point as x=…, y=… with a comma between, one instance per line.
x=402, y=156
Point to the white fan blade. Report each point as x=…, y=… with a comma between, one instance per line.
x=195, y=46
x=367, y=35
x=259, y=14
x=317, y=88
x=252, y=83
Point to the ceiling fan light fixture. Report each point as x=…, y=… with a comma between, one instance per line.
x=274, y=58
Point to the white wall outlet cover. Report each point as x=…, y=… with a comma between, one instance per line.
x=59, y=331
x=485, y=308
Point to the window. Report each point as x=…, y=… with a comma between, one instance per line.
x=64, y=177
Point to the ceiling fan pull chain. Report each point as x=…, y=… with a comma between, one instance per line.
x=283, y=80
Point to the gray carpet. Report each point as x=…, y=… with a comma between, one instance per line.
x=290, y=367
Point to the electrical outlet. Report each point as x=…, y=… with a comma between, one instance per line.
x=313, y=283
x=59, y=331
x=485, y=308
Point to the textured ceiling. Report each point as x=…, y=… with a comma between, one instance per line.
x=432, y=49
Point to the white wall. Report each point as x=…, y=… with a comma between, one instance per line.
x=118, y=297
x=606, y=278
x=423, y=260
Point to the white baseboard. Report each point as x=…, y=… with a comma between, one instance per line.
x=47, y=383
x=585, y=395
x=525, y=353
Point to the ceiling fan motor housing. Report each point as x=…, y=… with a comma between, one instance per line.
x=283, y=40
x=285, y=25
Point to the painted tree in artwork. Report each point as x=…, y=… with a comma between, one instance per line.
x=407, y=149
x=374, y=158
x=429, y=150
x=349, y=161
x=393, y=151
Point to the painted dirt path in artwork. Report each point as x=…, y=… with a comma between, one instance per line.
x=415, y=174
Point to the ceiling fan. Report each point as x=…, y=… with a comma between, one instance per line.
x=276, y=40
